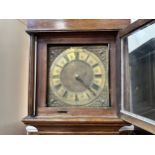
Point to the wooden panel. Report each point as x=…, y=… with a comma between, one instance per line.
x=77, y=24
x=41, y=74
x=118, y=73
x=77, y=37
x=76, y=111
x=31, y=77
x=113, y=76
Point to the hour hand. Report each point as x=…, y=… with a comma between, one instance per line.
x=77, y=77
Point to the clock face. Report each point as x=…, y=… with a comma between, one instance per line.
x=77, y=76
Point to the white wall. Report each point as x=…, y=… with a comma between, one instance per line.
x=14, y=50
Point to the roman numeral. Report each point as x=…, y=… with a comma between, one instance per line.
x=55, y=76
x=66, y=58
x=87, y=58
x=59, y=66
x=95, y=65
x=76, y=98
x=88, y=95
x=77, y=56
x=98, y=75
x=96, y=87
x=58, y=86
x=65, y=94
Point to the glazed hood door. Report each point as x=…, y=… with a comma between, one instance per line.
x=138, y=74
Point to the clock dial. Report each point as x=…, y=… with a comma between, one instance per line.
x=77, y=76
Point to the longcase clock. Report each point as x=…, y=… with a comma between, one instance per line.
x=91, y=76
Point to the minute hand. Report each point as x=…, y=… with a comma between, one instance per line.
x=86, y=86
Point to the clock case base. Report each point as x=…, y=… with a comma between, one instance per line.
x=76, y=126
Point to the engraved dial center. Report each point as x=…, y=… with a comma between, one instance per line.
x=74, y=71
x=76, y=76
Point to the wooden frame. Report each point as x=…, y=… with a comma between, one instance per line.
x=31, y=77
x=85, y=38
x=130, y=117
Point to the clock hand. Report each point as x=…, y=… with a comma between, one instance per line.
x=77, y=77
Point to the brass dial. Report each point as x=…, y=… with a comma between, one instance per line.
x=77, y=76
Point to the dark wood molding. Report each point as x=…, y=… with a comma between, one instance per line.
x=134, y=26
x=118, y=75
x=75, y=125
x=71, y=39
x=31, y=76
x=59, y=25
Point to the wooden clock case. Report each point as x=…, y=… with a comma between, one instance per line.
x=60, y=120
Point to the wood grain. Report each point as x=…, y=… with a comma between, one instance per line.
x=41, y=74
x=76, y=125
x=76, y=24
x=31, y=77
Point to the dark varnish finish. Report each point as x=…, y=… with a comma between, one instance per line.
x=50, y=120
x=76, y=24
